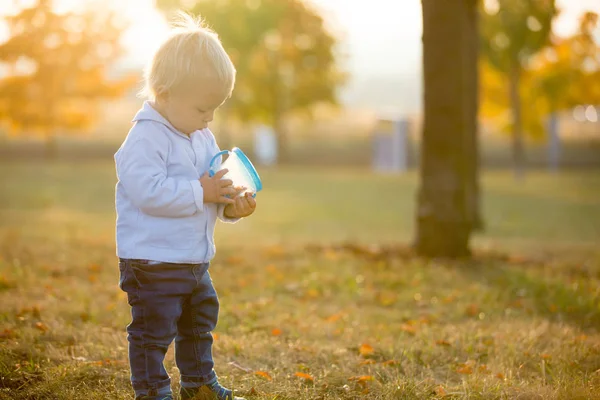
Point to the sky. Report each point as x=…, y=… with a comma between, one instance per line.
x=381, y=43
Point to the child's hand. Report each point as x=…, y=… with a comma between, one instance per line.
x=215, y=189
x=242, y=207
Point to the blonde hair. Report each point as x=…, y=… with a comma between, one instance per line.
x=192, y=50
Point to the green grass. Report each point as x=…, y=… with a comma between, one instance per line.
x=303, y=289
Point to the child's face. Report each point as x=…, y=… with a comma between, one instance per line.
x=193, y=106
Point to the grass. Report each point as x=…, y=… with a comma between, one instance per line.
x=318, y=298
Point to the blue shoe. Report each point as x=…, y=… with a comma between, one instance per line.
x=213, y=391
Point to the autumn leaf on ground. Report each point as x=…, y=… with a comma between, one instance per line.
x=304, y=376
x=264, y=375
x=361, y=380
x=367, y=362
x=440, y=391
x=389, y=363
x=472, y=310
x=276, y=332
x=366, y=350
x=8, y=334
x=465, y=370
x=41, y=326
x=410, y=329
x=443, y=342
x=334, y=317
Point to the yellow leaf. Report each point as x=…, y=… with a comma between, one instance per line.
x=362, y=378
x=365, y=350
x=276, y=332
x=334, y=317
x=440, y=391
x=304, y=376
x=472, y=310
x=408, y=329
x=466, y=370
x=264, y=375
x=41, y=326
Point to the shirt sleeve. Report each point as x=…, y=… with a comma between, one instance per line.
x=142, y=171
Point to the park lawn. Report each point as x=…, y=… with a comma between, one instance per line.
x=320, y=296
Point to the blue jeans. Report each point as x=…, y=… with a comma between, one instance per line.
x=169, y=301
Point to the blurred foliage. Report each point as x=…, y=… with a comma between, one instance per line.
x=57, y=64
x=284, y=55
x=565, y=73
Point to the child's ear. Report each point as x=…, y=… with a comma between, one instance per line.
x=162, y=94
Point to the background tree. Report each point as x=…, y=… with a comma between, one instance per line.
x=513, y=31
x=447, y=209
x=284, y=55
x=562, y=75
x=57, y=66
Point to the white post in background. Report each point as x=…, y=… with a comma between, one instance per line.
x=265, y=145
x=390, y=145
x=399, y=146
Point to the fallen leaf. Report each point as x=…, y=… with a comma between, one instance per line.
x=276, y=332
x=368, y=362
x=304, y=376
x=41, y=326
x=389, y=363
x=264, y=375
x=546, y=356
x=500, y=375
x=366, y=350
x=472, y=310
x=465, y=370
x=443, y=342
x=440, y=391
x=410, y=329
x=8, y=334
x=362, y=378
x=581, y=338
x=334, y=317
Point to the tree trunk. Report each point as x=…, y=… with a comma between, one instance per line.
x=447, y=198
x=554, y=145
x=517, y=134
x=282, y=138
x=471, y=33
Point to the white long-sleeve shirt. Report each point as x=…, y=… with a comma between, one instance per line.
x=161, y=214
